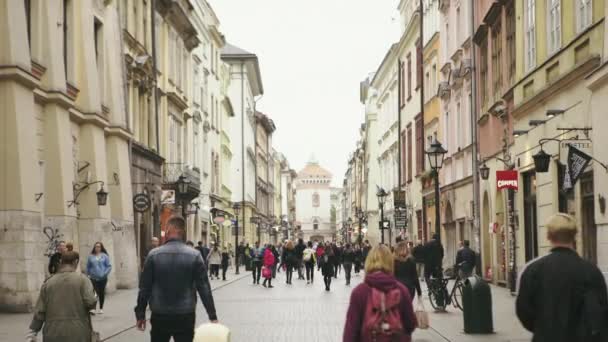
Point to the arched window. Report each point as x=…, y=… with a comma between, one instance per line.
x=316, y=200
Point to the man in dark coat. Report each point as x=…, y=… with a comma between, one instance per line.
x=465, y=260
x=204, y=250
x=173, y=274
x=433, y=258
x=299, y=250
x=561, y=296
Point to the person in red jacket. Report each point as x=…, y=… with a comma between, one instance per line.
x=361, y=323
x=320, y=252
x=268, y=265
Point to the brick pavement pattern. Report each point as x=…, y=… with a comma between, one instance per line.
x=290, y=313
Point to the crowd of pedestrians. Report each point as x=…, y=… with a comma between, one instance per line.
x=559, y=287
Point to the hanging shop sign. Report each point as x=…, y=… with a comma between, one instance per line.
x=400, y=219
x=141, y=202
x=219, y=216
x=584, y=146
x=577, y=162
x=167, y=197
x=507, y=179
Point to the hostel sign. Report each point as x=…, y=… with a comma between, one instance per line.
x=508, y=179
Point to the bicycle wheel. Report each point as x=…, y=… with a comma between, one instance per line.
x=457, y=295
x=438, y=298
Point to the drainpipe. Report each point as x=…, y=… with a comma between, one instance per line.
x=474, y=139
x=243, y=146
x=421, y=91
x=154, y=68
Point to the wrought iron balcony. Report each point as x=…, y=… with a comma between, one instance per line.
x=172, y=172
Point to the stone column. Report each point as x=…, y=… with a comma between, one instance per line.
x=94, y=220
x=121, y=205
x=21, y=272
x=47, y=49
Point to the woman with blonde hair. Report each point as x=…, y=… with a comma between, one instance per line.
x=381, y=307
x=405, y=269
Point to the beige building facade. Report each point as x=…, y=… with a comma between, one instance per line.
x=66, y=137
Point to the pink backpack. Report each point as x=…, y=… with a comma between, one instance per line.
x=382, y=320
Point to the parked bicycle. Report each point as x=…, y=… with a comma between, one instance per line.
x=440, y=297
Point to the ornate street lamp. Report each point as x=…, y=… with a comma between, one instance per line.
x=381, y=194
x=541, y=160
x=102, y=197
x=182, y=186
x=237, y=210
x=182, y=190
x=484, y=171
x=436, y=154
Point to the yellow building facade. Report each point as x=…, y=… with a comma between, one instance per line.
x=65, y=138
x=558, y=44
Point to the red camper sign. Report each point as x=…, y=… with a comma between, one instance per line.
x=507, y=180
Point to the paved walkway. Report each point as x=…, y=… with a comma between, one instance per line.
x=293, y=313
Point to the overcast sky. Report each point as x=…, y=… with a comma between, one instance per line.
x=313, y=54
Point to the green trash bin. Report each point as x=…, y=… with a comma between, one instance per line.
x=477, y=306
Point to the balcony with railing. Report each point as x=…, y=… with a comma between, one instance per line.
x=173, y=171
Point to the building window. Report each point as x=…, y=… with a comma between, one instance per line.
x=409, y=77
x=584, y=14
x=419, y=145
x=403, y=78
x=175, y=137
x=28, y=18
x=66, y=37
x=530, y=38
x=409, y=152
x=124, y=13
x=458, y=25
x=172, y=48
x=216, y=172
x=554, y=22
x=99, y=49
x=497, y=60
x=195, y=148
x=427, y=86
x=483, y=72
x=447, y=131
x=511, y=54
x=316, y=200
x=403, y=157
x=419, y=66
x=315, y=225
x=157, y=46
x=459, y=125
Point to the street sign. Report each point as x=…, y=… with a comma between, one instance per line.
x=141, y=202
x=399, y=198
x=400, y=219
x=507, y=179
x=386, y=224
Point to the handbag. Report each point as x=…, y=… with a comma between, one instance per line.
x=421, y=315
x=266, y=272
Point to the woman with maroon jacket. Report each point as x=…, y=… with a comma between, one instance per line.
x=361, y=324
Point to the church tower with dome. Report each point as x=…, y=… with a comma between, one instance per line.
x=313, y=202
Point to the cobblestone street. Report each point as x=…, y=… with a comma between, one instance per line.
x=302, y=312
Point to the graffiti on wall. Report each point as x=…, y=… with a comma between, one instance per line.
x=54, y=237
x=116, y=228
